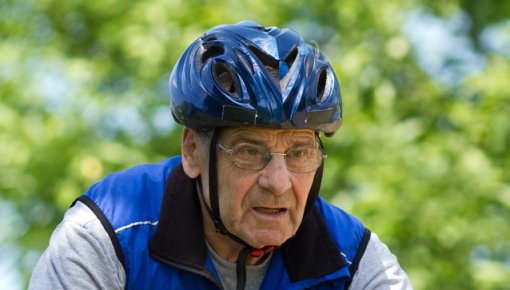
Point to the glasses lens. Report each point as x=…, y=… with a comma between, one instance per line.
x=249, y=156
x=303, y=159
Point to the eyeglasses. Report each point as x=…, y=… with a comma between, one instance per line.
x=256, y=157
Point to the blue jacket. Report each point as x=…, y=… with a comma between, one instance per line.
x=152, y=215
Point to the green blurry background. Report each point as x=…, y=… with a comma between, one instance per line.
x=422, y=157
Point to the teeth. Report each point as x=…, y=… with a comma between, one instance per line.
x=270, y=210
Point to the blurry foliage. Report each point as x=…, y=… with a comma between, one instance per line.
x=421, y=160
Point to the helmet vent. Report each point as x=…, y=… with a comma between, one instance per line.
x=291, y=57
x=271, y=65
x=243, y=58
x=226, y=80
x=211, y=51
x=323, y=85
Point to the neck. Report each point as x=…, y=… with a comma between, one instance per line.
x=223, y=245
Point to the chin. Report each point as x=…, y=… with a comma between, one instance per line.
x=268, y=239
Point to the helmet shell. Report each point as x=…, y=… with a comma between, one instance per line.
x=247, y=74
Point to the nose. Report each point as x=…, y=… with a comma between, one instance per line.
x=275, y=177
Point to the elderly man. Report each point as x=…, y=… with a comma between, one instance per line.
x=240, y=208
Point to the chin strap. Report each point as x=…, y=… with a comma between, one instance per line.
x=243, y=254
x=214, y=214
x=214, y=211
x=241, y=263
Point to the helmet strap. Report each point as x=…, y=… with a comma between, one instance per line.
x=213, y=184
x=214, y=210
x=241, y=263
x=316, y=185
x=214, y=214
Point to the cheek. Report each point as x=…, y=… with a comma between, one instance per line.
x=233, y=186
x=302, y=184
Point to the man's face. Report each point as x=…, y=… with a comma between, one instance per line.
x=266, y=206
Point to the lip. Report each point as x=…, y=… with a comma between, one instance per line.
x=270, y=212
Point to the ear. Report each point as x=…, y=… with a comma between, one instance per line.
x=190, y=153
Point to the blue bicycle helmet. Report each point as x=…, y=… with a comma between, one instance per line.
x=247, y=74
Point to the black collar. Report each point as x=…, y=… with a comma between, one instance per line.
x=179, y=239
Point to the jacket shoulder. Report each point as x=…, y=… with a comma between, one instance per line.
x=346, y=230
x=134, y=194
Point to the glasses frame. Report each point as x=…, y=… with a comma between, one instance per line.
x=268, y=156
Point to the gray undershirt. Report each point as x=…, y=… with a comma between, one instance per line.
x=227, y=272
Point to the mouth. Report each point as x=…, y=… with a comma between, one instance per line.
x=270, y=211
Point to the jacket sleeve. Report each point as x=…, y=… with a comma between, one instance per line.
x=80, y=256
x=379, y=269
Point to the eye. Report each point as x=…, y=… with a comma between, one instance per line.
x=252, y=151
x=302, y=153
x=296, y=153
x=249, y=151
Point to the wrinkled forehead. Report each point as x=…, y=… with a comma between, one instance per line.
x=267, y=136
